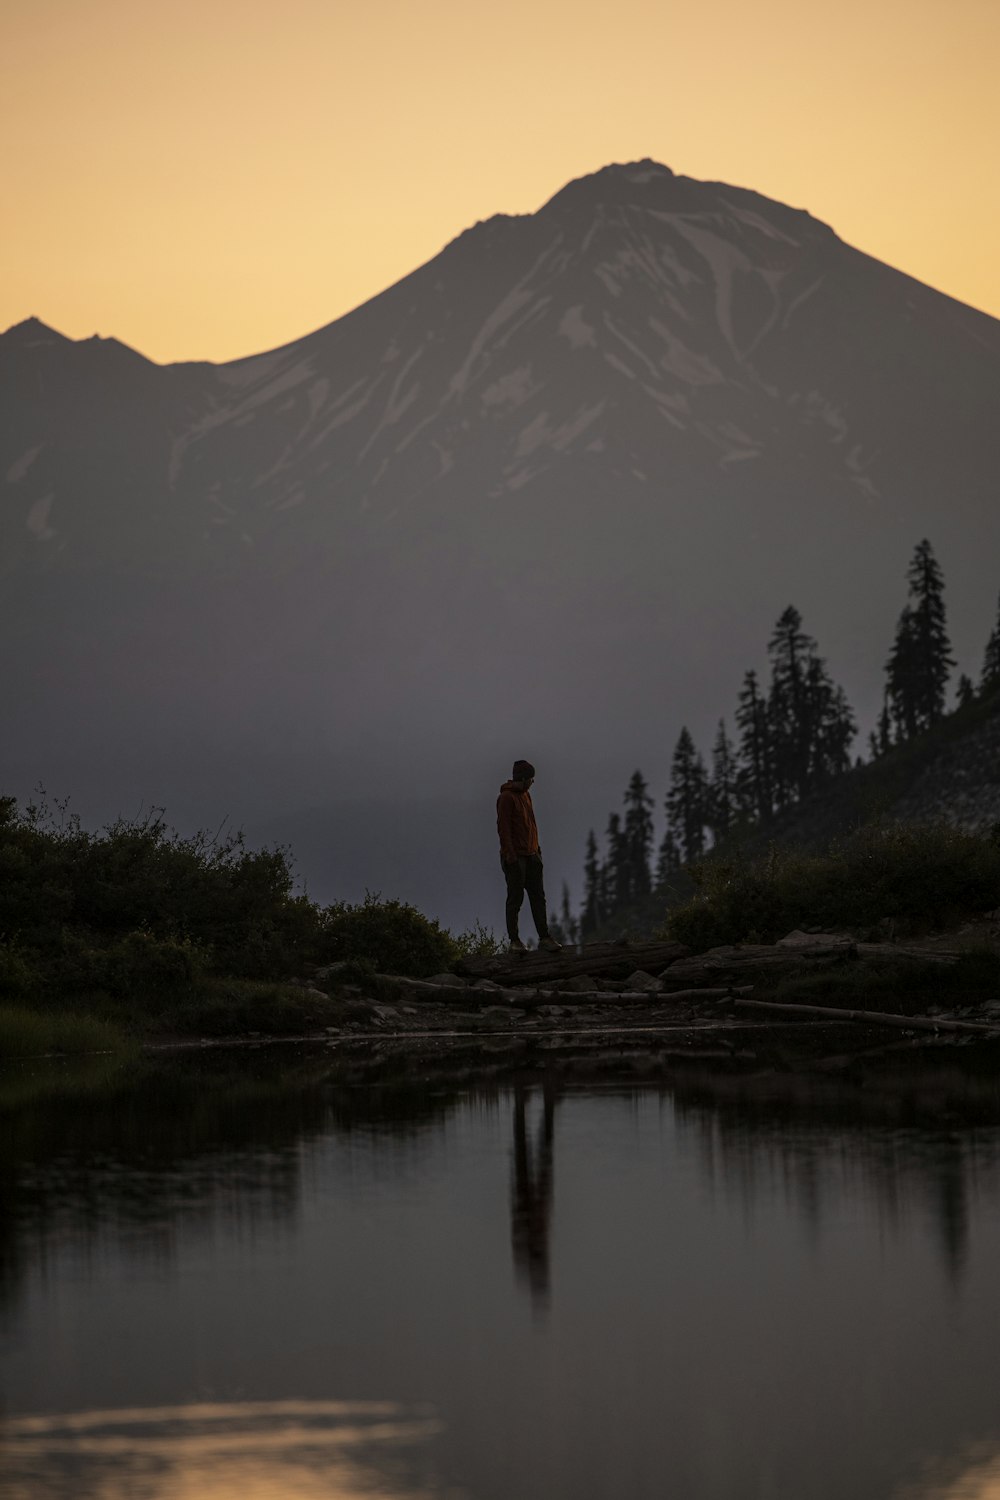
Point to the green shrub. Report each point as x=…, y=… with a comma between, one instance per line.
x=30, y=1033
x=137, y=893
x=18, y=976
x=920, y=877
x=391, y=936
x=479, y=942
x=907, y=985
x=234, y=1007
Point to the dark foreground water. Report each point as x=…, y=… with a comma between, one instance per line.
x=282, y=1274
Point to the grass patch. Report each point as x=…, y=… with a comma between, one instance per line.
x=920, y=878
x=32, y=1033
x=234, y=1007
x=905, y=987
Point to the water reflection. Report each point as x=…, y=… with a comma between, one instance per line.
x=754, y=1282
x=281, y=1450
x=975, y=1477
x=531, y=1191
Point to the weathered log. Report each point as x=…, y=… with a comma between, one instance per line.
x=471, y=995
x=608, y=959
x=731, y=964
x=896, y=952
x=739, y=960
x=872, y=1017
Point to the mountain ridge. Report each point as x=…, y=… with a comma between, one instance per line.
x=549, y=487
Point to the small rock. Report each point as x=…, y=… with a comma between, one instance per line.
x=800, y=939
x=485, y=984
x=578, y=984
x=454, y=980
x=385, y=1012
x=640, y=980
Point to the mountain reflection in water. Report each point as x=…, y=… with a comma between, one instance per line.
x=555, y=1274
x=318, y=1450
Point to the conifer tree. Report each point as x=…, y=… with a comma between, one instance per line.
x=722, y=791
x=668, y=860
x=613, y=886
x=637, y=839
x=687, y=798
x=965, y=692
x=810, y=721
x=754, y=781
x=569, y=928
x=880, y=740
x=990, y=678
x=789, y=709
x=591, y=915
x=920, y=661
x=833, y=728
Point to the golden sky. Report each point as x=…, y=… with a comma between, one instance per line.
x=209, y=178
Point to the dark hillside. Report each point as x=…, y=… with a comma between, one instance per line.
x=948, y=774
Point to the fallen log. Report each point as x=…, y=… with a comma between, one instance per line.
x=595, y=958
x=872, y=1017
x=466, y=995
x=737, y=961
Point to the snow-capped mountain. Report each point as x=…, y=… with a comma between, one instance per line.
x=556, y=485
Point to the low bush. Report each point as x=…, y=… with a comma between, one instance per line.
x=907, y=986
x=31, y=1033
x=392, y=937
x=479, y=941
x=922, y=878
x=234, y=1007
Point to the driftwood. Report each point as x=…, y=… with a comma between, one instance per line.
x=872, y=1017
x=595, y=958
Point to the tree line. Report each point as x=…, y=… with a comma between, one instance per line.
x=793, y=733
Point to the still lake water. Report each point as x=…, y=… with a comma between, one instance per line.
x=291, y=1275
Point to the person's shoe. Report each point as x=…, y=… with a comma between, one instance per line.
x=516, y=946
x=550, y=945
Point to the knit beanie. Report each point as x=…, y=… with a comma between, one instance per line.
x=523, y=770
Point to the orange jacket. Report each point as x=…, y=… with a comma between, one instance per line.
x=516, y=822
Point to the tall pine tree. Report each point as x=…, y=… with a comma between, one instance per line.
x=722, y=791
x=920, y=661
x=638, y=839
x=668, y=860
x=811, y=723
x=592, y=915
x=754, y=776
x=687, y=798
x=990, y=680
x=613, y=882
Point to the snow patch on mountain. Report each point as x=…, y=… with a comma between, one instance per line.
x=37, y=521
x=574, y=326
x=723, y=258
x=693, y=369
x=510, y=391
x=21, y=465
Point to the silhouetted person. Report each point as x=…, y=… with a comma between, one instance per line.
x=521, y=856
x=531, y=1194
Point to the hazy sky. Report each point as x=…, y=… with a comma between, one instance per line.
x=209, y=178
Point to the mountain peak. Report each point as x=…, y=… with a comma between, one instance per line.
x=33, y=331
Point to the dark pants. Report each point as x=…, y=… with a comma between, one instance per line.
x=525, y=874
